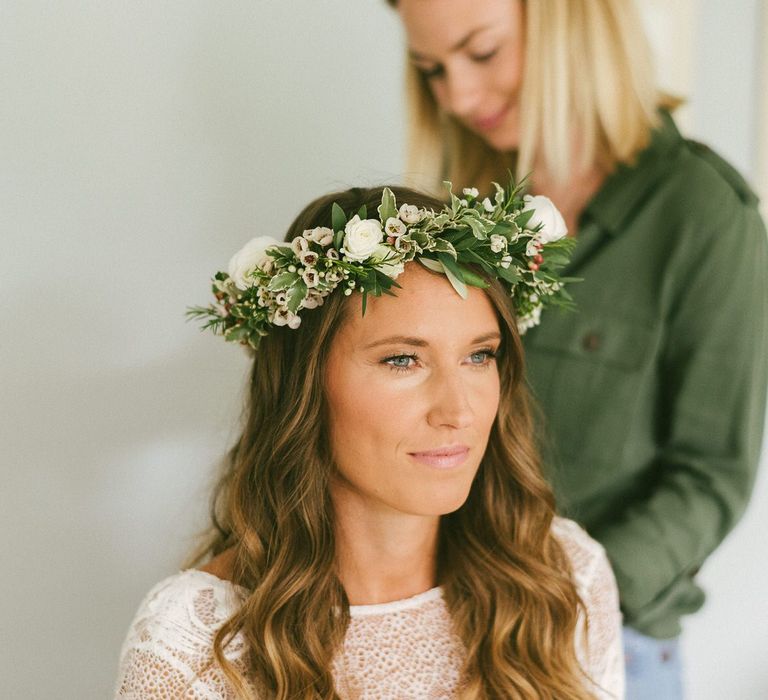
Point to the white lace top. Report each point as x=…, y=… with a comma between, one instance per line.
x=400, y=650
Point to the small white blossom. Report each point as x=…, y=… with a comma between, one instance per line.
x=403, y=246
x=529, y=320
x=310, y=277
x=308, y=258
x=532, y=248
x=299, y=245
x=410, y=214
x=463, y=202
x=332, y=254
x=470, y=192
x=506, y=261
x=361, y=238
x=394, y=227
x=281, y=298
x=321, y=235
x=498, y=243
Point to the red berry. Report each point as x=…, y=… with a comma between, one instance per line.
x=538, y=259
x=533, y=266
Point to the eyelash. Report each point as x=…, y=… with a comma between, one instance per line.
x=438, y=70
x=490, y=356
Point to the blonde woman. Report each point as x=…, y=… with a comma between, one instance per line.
x=382, y=529
x=654, y=392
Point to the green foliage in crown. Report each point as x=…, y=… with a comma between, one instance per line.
x=517, y=239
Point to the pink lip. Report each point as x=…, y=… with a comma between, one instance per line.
x=492, y=121
x=442, y=457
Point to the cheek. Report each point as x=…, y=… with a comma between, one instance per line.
x=366, y=420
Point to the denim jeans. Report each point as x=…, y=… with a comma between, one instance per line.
x=654, y=667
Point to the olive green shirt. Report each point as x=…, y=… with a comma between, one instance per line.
x=653, y=393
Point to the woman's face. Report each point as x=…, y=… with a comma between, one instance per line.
x=471, y=52
x=413, y=389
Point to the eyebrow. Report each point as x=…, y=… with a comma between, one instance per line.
x=456, y=47
x=421, y=343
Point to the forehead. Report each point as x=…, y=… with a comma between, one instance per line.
x=438, y=25
x=426, y=306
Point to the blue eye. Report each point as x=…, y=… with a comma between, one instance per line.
x=400, y=363
x=482, y=357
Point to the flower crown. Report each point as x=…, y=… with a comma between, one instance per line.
x=519, y=240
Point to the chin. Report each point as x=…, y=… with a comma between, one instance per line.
x=441, y=503
x=502, y=141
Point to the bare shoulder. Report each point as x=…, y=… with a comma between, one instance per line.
x=221, y=566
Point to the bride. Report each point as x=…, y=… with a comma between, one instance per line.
x=382, y=529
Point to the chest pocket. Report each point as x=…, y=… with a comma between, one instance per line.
x=592, y=376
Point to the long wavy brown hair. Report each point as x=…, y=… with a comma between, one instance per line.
x=506, y=579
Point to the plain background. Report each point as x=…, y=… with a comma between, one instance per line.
x=141, y=144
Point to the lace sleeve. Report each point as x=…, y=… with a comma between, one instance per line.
x=600, y=650
x=168, y=650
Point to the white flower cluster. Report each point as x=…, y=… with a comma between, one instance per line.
x=268, y=282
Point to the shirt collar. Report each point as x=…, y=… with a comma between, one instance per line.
x=630, y=184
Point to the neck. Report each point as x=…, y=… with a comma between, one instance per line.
x=383, y=555
x=572, y=196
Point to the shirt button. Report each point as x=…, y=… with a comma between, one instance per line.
x=591, y=342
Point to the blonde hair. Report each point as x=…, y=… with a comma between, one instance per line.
x=588, y=99
x=507, y=582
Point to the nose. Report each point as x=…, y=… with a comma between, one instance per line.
x=450, y=407
x=463, y=92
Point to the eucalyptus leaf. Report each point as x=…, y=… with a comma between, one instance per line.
x=430, y=264
x=457, y=284
x=362, y=212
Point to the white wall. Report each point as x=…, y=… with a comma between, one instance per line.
x=140, y=144
x=709, y=52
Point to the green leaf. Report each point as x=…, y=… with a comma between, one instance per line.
x=443, y=246
x=388, y=207
x=473, y=279
x=456, y=282
x=524, y=217
x=362, y=212
x=282, y=281
x=338, y=240
x=235, y=333
x=509, y=274
x=338, y=217
x=365, y=300
x=450, y=264
x=295, y=295
x=430, y=264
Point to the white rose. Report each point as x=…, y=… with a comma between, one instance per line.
x=545, y=213
x=498, y=243
x=251, y=256
x=393, y=267
x=409, y=213
x=361, y=238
